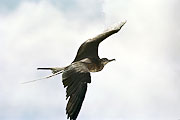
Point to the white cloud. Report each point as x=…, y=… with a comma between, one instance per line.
x=34, y=35
x=141, y=85
x=145, y=73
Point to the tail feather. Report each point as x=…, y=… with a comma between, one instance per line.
x=44, y=68
x=43, y=78
x=54, y=70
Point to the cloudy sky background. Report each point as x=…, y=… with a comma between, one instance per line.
x=142, y=84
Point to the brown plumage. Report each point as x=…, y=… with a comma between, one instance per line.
x=76, y=76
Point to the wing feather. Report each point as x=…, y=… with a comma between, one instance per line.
x=90, y=47
x=75, y=79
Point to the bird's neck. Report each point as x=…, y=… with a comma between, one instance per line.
x=95, y=65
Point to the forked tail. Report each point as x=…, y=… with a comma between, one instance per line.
x=55, y=72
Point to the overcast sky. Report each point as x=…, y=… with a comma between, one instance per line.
x=142, y=84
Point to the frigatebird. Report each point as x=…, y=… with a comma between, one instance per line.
x=76, y=76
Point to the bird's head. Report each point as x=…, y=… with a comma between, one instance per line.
x=104, y=61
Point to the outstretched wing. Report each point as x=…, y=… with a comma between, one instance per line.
x=90, y=47
x=75, y=79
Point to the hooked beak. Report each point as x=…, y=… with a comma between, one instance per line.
x=111, y=60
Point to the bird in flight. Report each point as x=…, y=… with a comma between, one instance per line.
x=76, y=76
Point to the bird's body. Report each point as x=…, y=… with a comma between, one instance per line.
x=76, y=76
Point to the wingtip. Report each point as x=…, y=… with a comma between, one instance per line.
x=116, y=26
x=122, y=23
x=125, y=21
